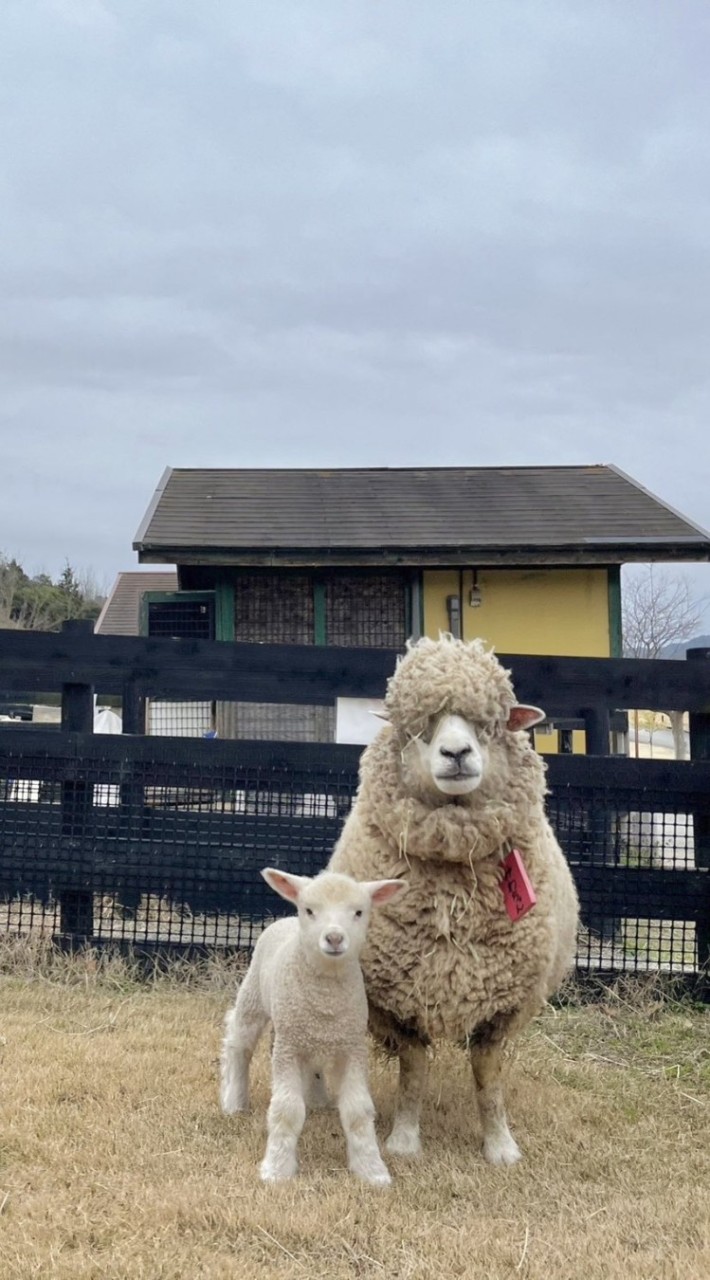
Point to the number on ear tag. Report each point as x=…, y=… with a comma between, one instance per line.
x=518, y=893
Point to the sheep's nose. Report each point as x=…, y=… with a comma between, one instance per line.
x=456, y=755
x=335, y=939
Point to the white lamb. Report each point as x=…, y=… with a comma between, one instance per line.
x=305, y=979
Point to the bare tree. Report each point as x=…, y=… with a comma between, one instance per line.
x=659, y=610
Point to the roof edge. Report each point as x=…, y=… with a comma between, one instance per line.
x=661, y=501
x=152, y=506
x=594, y=553
x=106, y=604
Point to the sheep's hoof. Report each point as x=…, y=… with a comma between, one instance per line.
x=502, y=1150
x=404, y=1142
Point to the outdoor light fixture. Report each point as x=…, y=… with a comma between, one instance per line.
x=475, y=599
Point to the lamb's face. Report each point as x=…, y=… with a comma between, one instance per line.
x=333, y=910
x=334, y=916
x=450, y=756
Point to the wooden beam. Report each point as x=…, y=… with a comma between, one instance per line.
x=204, y=669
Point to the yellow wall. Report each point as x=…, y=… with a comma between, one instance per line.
x=536, y=611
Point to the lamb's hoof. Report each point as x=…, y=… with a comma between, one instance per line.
x=268, y=1174
x=502, y=1150
x=377, y=1179
x=404, y=1142
x=234, y=1106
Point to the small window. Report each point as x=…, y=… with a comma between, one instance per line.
x=184, y=619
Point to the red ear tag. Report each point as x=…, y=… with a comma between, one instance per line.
x=518, y=893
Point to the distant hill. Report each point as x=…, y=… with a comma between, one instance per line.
x=679, y=650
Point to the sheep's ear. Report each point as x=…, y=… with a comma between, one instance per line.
x=384, y=890
x=289, y=886
x=524, y=717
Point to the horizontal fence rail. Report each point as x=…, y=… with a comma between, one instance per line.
x=156, y=843
x=47, y=661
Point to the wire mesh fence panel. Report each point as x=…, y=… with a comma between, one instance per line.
x=633, y=857
x=275, y=722
x=180, y=719
x=367, y=610
x=159, y=854
x=159, y=844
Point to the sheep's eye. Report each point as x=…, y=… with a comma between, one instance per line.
x=309, y=912
x=358, y=914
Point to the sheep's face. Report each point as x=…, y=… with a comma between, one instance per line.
x=451, y=756
x=333, y=909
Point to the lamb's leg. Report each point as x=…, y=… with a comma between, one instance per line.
x=357, y=1115
x=404, y=1138
x=243, y=1027
x=499, y=1145
x=286, y=1117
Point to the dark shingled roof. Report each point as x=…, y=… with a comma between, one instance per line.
x=370, y=514
x=120, y=615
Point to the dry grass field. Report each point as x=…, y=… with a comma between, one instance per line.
x=116, y=1164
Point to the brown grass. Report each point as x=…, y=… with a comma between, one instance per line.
x=116, y=1164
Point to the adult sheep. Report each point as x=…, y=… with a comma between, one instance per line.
x=447, y=790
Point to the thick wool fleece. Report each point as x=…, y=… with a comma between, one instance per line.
x=316, y=1012
x=446, y=958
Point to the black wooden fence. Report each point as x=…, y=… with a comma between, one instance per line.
x=156, y=843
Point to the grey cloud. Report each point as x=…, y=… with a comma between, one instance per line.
x=354, y=234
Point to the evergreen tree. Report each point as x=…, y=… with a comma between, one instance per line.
x=39, y=604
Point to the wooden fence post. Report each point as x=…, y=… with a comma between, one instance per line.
x=76, y=905
x=133, y=709
x=597, y=730
x=131, y=794
x=700, y=750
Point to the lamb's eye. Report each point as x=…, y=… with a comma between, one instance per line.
x=358, y=914
x=309, y=912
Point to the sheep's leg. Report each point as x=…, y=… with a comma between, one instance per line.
x=357, y=1115
x=499, y=1145
x=286, y=1117
x=404, y=1138
x=244, y=1025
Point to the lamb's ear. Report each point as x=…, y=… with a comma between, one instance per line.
x=381, y=891
x=289, y=886
x=524, y=717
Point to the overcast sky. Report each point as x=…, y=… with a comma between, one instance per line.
x=386, y=232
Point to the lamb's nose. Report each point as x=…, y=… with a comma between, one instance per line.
x=456, y=755
x=335, y=939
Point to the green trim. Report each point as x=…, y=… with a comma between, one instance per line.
x=616, y=641
x=224, y=610
x=319, y=615
x=416, y=599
